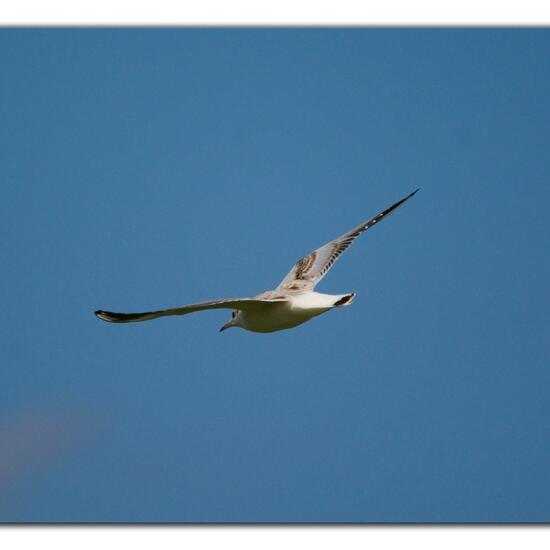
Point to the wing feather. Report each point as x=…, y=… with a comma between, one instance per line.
x=310, y=269
x=244, y=304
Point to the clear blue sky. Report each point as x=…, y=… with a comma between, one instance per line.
x=152, y=168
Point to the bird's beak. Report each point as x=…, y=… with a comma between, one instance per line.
x=227, y=325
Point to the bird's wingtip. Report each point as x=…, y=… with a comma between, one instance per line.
x=103, y=315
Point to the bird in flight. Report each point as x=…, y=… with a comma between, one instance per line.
x=292, y=303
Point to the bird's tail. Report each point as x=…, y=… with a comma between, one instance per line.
x=345, y=300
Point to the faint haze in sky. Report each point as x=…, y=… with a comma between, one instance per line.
x=149, y=168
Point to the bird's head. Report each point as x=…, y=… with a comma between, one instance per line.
x=235, y=320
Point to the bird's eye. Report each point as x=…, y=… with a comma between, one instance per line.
x=233, y=314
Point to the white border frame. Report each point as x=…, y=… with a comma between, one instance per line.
x=281, y=12
x=288, y=13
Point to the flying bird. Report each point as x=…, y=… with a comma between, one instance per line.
x=292, y=303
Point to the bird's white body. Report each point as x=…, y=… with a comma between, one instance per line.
x=289, y=313
x=292, y=303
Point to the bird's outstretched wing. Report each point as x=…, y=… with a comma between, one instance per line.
x=309, y=270
x=244, y=304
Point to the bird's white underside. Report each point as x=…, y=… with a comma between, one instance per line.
x=293, y=311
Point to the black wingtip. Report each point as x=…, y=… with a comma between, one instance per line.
x=414, y=192
x=103, y=315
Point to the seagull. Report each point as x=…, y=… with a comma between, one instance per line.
x=292, y=303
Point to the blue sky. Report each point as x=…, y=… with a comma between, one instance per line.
x=148, y=168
